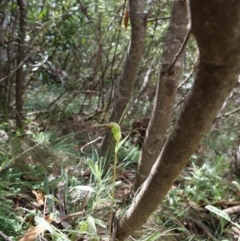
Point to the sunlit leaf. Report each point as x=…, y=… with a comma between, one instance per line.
x=100, y=223
x=83, y=226
x=218, y=212
x=236, y=184
x=44, y=223
x=91, y=225
x=84, y=188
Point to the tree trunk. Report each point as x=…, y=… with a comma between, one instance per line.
x=20, y=59
x=215, y=25
x=129, y=75
x=166, y=91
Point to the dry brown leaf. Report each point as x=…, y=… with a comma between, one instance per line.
x=32, y=233
x=232, y=210
x=40, y=197
x=49, y=218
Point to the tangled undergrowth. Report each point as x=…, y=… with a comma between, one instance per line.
x=51, y=190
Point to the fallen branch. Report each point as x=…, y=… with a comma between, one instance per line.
x=5, y=236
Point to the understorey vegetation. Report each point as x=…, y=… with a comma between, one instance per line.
x=118, y=122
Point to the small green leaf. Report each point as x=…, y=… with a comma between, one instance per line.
x=83, y=226
x=100, y=223
x=122, y=141
x=6, y=163
x=91, y=225
x=94, y=169
x=154, y=236
x=236, y=184
x=218, y=212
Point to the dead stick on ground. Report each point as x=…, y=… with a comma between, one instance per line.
x=5, y=236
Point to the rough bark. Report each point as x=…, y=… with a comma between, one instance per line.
x=20, y=59
x=215, y=25
x=166, y=91
x=129, y=75
x=3, y=54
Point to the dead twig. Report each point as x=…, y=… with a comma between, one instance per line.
x=179, y=52
x=5, y=236
x=71, y=215
x=228, y=114
x=89, y=143
x=156, y=19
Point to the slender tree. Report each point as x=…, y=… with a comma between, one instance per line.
x=215, y=25
x=124, y=89
x=170, y=71
x=20, y=60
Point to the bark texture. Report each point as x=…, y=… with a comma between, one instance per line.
x=20, y=59
x=130, y=70
x=166, y=91
x=215, y=25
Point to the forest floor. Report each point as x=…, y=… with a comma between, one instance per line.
x=54, y=187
